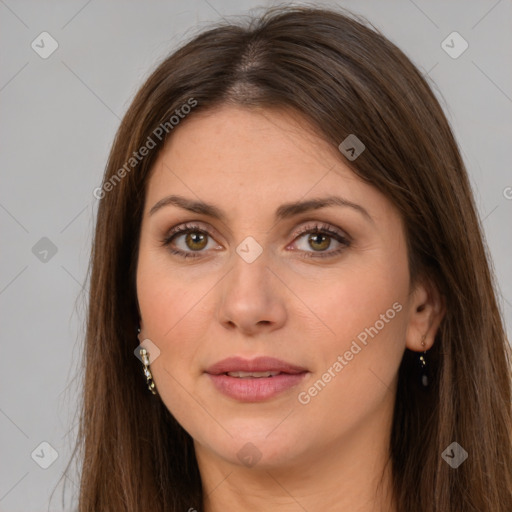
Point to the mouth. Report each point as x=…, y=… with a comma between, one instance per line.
x=252, y=375
x=254, y=380
x=263, y=366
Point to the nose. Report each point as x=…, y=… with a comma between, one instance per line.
x=252, y=298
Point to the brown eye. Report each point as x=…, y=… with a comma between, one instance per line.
x=319, y=241
x=196, y=240
x=187, y=241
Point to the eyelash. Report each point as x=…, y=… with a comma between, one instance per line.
x=317, y=228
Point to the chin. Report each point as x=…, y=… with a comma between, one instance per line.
x=254, y=447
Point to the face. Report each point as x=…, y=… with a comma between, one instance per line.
x=323, y=290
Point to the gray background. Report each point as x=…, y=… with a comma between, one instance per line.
x=58, y=119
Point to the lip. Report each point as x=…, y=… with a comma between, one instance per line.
x=258, y=388
x=258, y=364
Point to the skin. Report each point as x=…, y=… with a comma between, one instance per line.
x=330, y=453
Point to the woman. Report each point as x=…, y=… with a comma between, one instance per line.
x=288, y=242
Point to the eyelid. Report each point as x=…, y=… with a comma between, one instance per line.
x=320, y=226
x=304, y=228
x=192, y=225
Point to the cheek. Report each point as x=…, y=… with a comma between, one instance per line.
x=163, y=302
x=364, y=309
x=167, y=294
x=168, y=306
x=353, y=298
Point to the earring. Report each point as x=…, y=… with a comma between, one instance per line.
x=424, y=380
x=144, y=355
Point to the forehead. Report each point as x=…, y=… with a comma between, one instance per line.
x=238, y=140
x=246, y=158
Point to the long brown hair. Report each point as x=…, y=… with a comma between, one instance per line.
x=345, y=78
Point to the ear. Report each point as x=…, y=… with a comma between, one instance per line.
x=140, y=335
x=427, y=308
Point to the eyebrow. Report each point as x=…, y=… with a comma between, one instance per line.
x=284, y=211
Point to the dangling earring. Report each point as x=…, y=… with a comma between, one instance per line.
x=144, y=354
x=424, y=380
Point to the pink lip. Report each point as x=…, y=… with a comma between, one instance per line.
x=258, y=364
x=258, y=388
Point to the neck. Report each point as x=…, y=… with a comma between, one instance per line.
x=352, y=474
